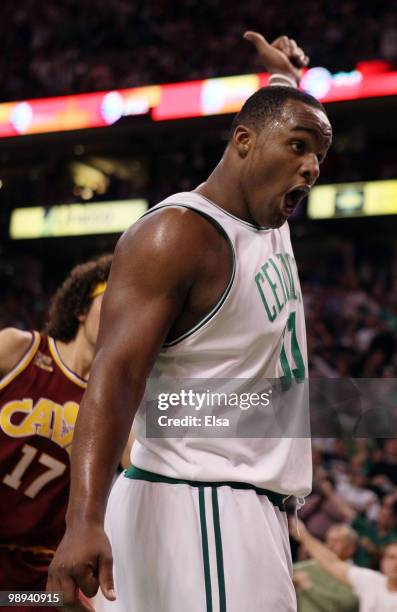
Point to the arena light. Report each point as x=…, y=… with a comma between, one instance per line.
x=182, y=100
x=64, y=113
x=75, y=219
x=353, y=200
x=231, y=92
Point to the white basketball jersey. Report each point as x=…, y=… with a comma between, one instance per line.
x=255, y=332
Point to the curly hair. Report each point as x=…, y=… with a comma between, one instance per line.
x=74, y=298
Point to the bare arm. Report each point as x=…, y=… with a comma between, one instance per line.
x=155, y=265
x=343, y=507
x=125, y=458
x=348, y=511
x=282, y=56
x=325, y=557
x=14, y=343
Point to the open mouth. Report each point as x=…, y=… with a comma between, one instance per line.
x=295, y=196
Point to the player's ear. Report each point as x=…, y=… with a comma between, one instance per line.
x=81, y=317
x=243, y=139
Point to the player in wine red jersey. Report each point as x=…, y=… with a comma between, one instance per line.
x=42, y=380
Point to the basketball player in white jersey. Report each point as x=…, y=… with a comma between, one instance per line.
x=203, y=287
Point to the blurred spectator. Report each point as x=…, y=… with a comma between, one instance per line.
x=318, y=591
x=384, y=469
x=374, y=535
x=350, y=326
x=354, y=490
x=320, y=512
x=375, y=590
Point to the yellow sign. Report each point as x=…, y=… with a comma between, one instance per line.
x=227, y=94
x=75, y=219
x=353, y=200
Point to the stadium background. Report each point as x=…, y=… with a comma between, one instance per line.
x=347, y=265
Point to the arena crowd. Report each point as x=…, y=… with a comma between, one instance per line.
x=72, y=47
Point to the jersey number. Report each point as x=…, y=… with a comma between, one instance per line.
x=298, y=372
x=55, y=469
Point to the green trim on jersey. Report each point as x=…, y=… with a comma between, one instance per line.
x=226, y=292
x=206, y=555
x=135, y=473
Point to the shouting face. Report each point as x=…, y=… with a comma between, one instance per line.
x=280, y=162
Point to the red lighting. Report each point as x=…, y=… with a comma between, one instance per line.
x=182, y=100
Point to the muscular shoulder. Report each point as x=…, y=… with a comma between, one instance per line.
x=168, y=227
x=176, y=239
x=13, y=345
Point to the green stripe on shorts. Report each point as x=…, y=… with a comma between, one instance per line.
x=206, y=555
x=219, y=551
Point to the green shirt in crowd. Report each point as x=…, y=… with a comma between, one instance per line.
x=326, y=593
x=368, y=529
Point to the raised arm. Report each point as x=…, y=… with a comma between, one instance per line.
x=318, y=551
x=281, y=58
x=155, y=265
x=342, y=506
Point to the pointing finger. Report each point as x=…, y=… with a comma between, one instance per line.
x=257, y=39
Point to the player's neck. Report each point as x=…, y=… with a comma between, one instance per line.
x=77, y=355
x=222, y=187
x=392, y=585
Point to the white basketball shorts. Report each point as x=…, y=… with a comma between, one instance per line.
x=181, y=546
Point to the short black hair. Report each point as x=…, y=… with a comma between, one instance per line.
x=74, y=297
x=268, y=103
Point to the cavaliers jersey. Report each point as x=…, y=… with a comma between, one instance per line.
x=39, y=401
x=255, y=332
